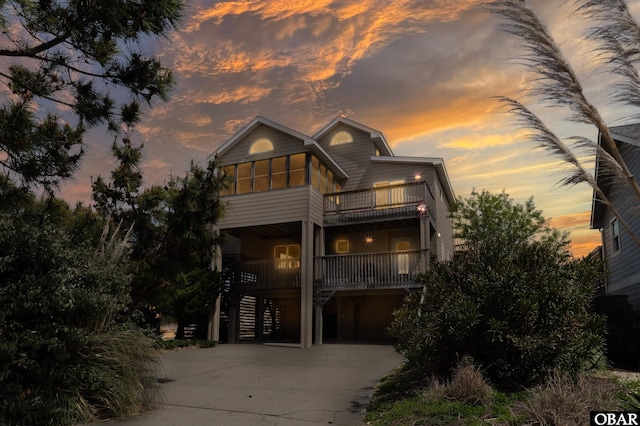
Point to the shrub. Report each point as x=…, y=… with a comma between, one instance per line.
x=513, y=300
x=65, y=354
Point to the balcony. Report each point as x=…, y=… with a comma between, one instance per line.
x=397, y=201
x=280, y=274
x=386, y=270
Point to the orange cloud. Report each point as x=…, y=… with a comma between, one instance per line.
x=584, y=243
x=583, y=239
x=343, y=33
x=475, y=141
x=573, y=220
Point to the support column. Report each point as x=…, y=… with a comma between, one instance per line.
x=306, y=285
x=234, y=309
x=425, y=243
x=213, y=329
x=317, y=275
x=259, y=315
x=213, y=333
x=339, y=318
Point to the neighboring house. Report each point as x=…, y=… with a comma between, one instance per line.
x=325, y=233
x=620, y=252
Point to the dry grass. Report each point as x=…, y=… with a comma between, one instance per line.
x=567, y=402
x=467, y=385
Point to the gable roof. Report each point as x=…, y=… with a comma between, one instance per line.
x=251, y=126
x=306, y=140
x=375, y=135
x=629, y=134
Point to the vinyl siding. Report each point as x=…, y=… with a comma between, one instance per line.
x=283, y=144
x=624, y=266
x=264, y=208
x=380, y=172
x=383, y=240
x=256, y=248
x=316, y=206
x=442, y=221
x=353, y=157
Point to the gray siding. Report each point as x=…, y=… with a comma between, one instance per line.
x=256, y=248
x=383, y=240
x=353, y=157
x=316, y=206
x=263, y=208
x=283, y=144
x=381, y=172
x=624, y=266
x=442, y=221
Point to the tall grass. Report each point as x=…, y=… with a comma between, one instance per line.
x=566, y=401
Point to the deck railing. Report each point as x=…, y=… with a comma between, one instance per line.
x=370, y=270
x=401, y=199
x=279, y=274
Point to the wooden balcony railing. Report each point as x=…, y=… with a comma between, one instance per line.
x=339, y=272
x=408, y=199
x=280, y=274
x=371, y=270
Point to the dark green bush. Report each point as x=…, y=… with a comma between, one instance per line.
x=66, y=355
x=513, y=300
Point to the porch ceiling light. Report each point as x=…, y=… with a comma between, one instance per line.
x=367, y=239
x=417, y=175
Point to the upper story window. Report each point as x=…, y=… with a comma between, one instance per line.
x=261, y=176
x=243, y=178
x=341, y=138
x=297, y=169
x=281, y=172
x=615, y=236
x=261, y=145
x=321, y=177
x=230, y=171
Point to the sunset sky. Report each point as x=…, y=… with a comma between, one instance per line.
x=423, y=72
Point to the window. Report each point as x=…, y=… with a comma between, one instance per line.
x=230, y=171
x=340, y=138
x=243, y=180
x=387, y=195
x=315, y=172
x=279, y=173
x=323, y=179
x=297, y=169
x=403, y=258
x=261, y=145
x=261, y=176
x=342, y=246
x=287, y=256
x=615, y=236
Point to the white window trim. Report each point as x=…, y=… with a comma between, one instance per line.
x=613, y=236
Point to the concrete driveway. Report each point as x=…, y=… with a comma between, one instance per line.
x=247, y=384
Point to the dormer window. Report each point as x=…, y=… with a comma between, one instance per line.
x=261, y=145
x=341, y=138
